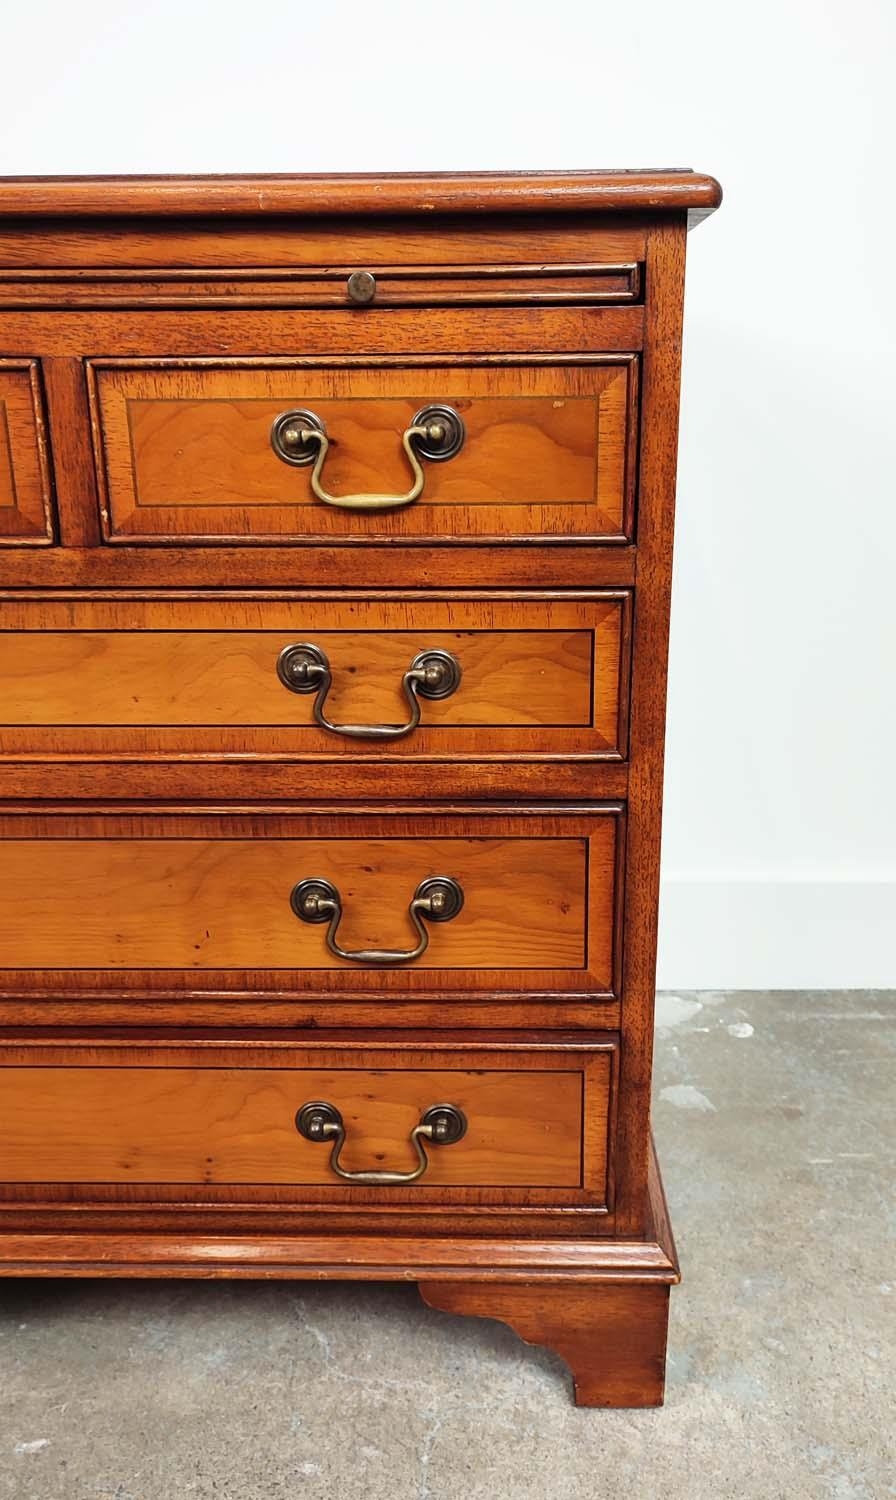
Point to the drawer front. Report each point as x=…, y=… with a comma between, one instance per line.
x=525, y=901
x=26, y=507
x=536, y=675
x=228, y=1116
x=185, y=451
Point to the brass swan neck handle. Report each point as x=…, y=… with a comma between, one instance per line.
x=305, y=668
x=441, y=1125
x=437, y=432
x=438, y=899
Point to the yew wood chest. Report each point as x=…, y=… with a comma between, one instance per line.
x=335, y=549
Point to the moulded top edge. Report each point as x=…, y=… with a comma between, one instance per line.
x=368, y=195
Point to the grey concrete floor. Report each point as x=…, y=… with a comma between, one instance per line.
x=775, y=1127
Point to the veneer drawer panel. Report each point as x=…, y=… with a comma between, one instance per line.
x=26, y=504
x=515, y=674
x=219, y=1114
x=404, y=901
x=223, y=1125
x=204, y=450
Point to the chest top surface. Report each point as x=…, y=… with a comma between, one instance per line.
x=364, y=194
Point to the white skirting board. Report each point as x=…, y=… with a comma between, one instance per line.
x=774, y=934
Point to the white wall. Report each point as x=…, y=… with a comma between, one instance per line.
x=781, y=792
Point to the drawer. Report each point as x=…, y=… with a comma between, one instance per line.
x=307, y=677
x=410, y=901
x=462, y=1121
x=214, y=450
x=26, y=505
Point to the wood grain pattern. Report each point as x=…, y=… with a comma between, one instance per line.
x=358, y=194
x=269, y=286
x=26, y=513
x=212, y=1125
x=256, y=247
x=377, y=565
x=613, y=1339
x=205, y=898
x=222, y=904
x=611, y=1331
x=74, y=473
x=104, y=677
x=321, y=1254
x=271, y=777
x=656, y=518
x=186, y=452
x=331, y=1257
x=194, y=334
x=526, y=1245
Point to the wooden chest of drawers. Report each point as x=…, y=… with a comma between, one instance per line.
x=335, y=549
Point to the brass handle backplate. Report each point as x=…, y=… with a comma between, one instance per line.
x=438, y=899
x=436, y=433
x=441, y=1125
x=304, y=668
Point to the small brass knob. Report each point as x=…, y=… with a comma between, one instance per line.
x=362, y=287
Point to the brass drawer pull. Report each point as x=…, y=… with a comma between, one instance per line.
x=441, y=1126
x=361, y=287
x=438, y=899
x=436, y=433
x=304, y=668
